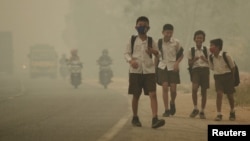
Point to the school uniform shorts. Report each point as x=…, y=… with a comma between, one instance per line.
x=225, y=83
x=139, y=82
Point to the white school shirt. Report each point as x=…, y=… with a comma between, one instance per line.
x=169, y=50
x=145, y=62
x=219, y=66
x=198, y=53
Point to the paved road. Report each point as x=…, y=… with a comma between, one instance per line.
x=55, y=111
x=52, y=110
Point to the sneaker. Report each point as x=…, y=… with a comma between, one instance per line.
x=136, y=121
x=218, y=118
x=194, y=113
x=232, y=116
x=202, y=115
x=172, y=108
x=156, y=123
x=166, y=113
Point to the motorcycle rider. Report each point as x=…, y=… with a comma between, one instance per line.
x=63, y=66
x=104, y=63
x=75, y=64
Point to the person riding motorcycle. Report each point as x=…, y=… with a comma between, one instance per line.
x=75, y=65
x=64, y=70
x=104, y=63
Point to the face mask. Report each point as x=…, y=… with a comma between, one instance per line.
x=212, y=49
x=142, y=29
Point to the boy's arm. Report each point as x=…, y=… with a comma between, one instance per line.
x=127, y=53
x=231, y=64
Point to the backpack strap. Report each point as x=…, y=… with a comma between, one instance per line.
x=205, y=51
x=226, y=60
x=160, y=47
x=150, y=42
x=179, y=53
x=211, y=58
x=192, y=52
x=133, y=37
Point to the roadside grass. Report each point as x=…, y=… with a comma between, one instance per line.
x=242, y=95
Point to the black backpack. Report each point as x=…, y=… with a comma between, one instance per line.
x=133, y=37
x=192, y=54
x=236, y=72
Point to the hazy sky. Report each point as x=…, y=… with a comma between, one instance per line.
x=44, y=21
x=32, y=22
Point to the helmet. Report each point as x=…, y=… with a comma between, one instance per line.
x=73, y=51
x=105, y=51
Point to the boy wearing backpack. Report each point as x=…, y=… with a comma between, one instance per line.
x=168, y=68
x=198, y=63
x=138, y=54
x=223, y=76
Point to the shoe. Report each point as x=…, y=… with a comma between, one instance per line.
x=218, y=118
x=156, y=123
x=194, y=113
x=202, y=115
x=166, y=113
x=172, y=108
x=136, y=121
x=232, y=116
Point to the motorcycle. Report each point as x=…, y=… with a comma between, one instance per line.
x=105, y=76
x=64, y=71
x=75, y=70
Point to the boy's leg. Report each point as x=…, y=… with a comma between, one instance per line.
x=135, y=90
x=156, y=123
x=153, y=103
x=173, y=97
x=195, y=111
x=218, y=105
x=203, y=98
x=165, y=98
x=135, y=103
x=135, y=120
x=203, y=102
x=195, y=87
x=163, y=77
x=150, y=89
x=231, y=103
x=219, y=101
x=219, y=87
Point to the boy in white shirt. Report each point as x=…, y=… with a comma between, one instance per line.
x=168, y=68
x=198, y=63
x=142, y=71
x=223, y=76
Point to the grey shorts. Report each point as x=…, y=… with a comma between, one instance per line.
x=139, y=82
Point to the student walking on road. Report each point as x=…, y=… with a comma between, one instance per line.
x=199, y=71
x=168, y=67
x=223, y=76
x=138, y=54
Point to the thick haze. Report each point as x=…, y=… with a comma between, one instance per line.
x=93, y=25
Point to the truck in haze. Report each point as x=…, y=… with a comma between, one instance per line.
x=6, y=52
x=43, y=61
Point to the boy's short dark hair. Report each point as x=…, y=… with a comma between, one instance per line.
x=217, y=42
x=168, y=27
x=199, y=32
x=142, y=18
